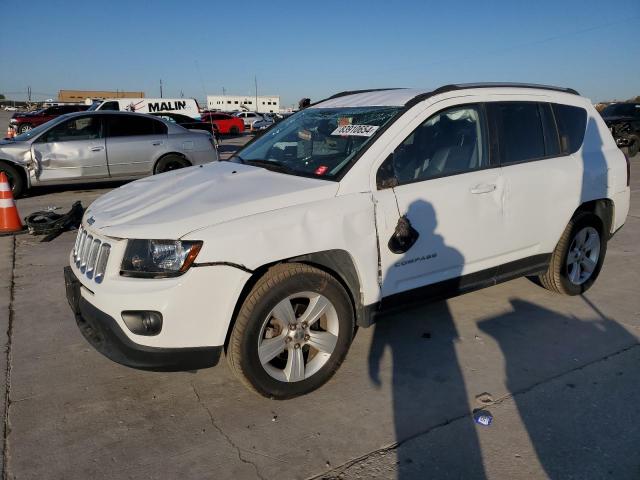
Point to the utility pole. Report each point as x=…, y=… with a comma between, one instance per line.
x=160, y=88
x=181, y=94
x=29, y=93
x=255, y=80
x=224, y=91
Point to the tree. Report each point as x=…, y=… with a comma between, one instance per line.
x=1, y=97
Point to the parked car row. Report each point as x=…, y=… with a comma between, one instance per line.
x=226, y=124
x=23, y=122
x=100, y=146
x=190, y=123
x=623, y=120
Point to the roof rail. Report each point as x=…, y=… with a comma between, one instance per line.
x=463, y=86
x=452, y=87
x=460, y=86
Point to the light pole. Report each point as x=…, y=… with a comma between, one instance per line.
x=255, y=80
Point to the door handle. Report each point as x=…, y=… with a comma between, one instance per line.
x=157, y=142
x=96, y=148
x=483, y=188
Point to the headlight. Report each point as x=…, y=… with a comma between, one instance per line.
x=158, y=258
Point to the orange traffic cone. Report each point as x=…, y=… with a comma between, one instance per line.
x=9, y=219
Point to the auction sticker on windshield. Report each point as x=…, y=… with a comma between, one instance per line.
x=355, y=130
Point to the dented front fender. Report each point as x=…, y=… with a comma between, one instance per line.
x=344, y=223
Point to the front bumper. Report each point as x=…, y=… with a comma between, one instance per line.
x=105, y=335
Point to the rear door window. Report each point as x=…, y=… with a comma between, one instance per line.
x=134, y=125
x=519, y=129
x=572, y=123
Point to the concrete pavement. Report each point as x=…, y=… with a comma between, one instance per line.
x=558, y=374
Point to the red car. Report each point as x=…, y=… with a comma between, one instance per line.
x=22, y=122
x=227, y=124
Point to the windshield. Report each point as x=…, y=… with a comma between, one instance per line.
x=621, y=109
x=94, y=106
x=317, y=141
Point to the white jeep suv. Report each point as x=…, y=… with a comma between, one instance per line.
x=364, y=202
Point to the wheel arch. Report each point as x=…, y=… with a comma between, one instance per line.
x=603, y=208
x=337, y=263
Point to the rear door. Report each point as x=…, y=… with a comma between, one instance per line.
x=541, y=173
x=134, y=142
x=73, y=149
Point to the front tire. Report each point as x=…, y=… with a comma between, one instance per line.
x=578, y=257
x=16, y=181
x=292, y=332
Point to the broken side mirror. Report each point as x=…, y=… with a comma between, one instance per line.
x=404, y=236
x=386, y=176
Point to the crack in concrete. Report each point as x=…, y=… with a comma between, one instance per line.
x=338, y=472
x=7, y=399
x=226, y=437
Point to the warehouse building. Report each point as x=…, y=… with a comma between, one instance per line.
x=82, y=95
x=233, y=103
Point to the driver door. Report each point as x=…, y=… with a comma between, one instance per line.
x=71, y=150
x=447, y=189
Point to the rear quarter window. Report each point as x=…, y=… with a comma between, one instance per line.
x=572, y=123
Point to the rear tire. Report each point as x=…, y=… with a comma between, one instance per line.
x=171, y=162
x=292, y=332
x=234, y=131
x=16, y=180
x=578, y=256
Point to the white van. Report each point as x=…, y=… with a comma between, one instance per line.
x=185, y=106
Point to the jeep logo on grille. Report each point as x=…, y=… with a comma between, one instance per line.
x=91, y=220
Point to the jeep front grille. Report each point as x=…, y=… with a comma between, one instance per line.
x=91, y=255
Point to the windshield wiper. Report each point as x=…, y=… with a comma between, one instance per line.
x=271, y=165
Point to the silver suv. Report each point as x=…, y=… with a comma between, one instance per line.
x=99, y=146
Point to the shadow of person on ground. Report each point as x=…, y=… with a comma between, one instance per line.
x=427, y=384
x=573, y=424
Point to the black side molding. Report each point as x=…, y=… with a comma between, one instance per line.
x=533, y=265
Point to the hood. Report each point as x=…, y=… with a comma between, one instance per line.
x=170, y=205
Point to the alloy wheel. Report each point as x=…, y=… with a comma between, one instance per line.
x=583, y=255
x=298, y=336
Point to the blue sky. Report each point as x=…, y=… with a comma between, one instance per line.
x=314, y=49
